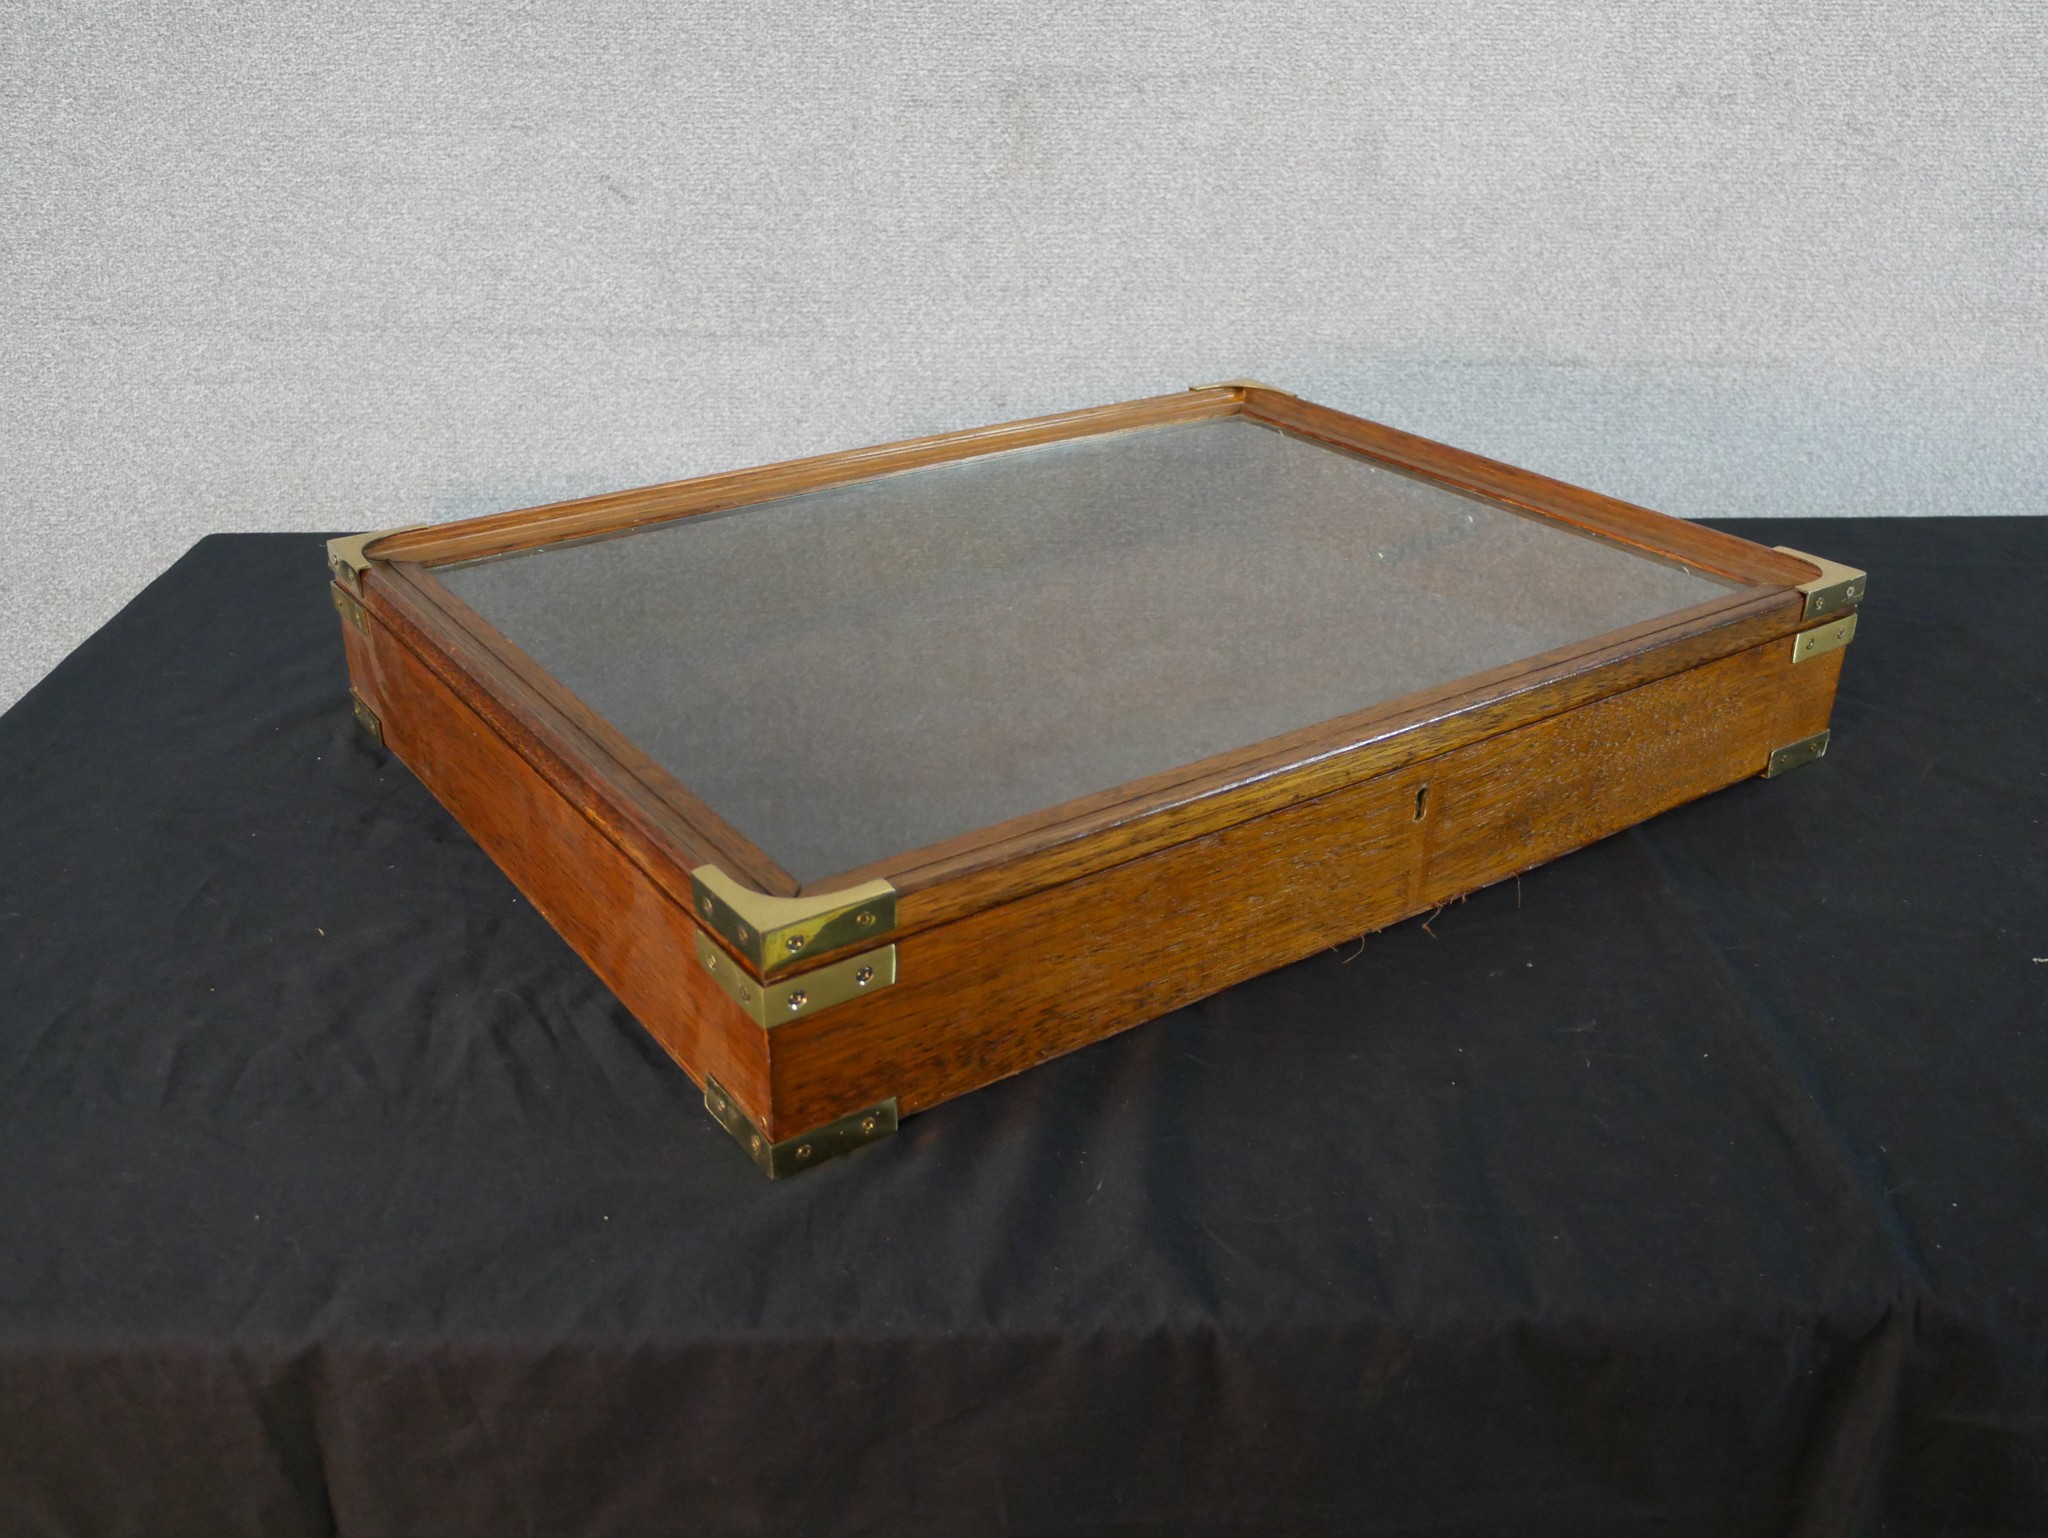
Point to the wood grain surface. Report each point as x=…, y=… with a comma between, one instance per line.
x=994, y=992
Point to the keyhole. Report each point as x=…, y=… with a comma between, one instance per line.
x=1421, y=802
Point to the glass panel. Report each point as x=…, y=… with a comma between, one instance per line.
x=853, y=673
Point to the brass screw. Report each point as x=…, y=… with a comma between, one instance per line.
x=704, y=906
x=864, y=919
x=798, y=998
x=746, y=994
x=755, y=1142
x=711, y=963
x=864, y=976
x=795, y=943
x=867, y=1124
x=803, y=1150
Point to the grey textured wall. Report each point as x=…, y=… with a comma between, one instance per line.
x=340, y=266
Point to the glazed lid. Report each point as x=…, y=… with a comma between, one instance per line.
x=852, y=673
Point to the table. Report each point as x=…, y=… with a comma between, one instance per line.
x=1695, y=1183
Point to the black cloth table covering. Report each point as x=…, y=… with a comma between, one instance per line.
x=1695, y=1183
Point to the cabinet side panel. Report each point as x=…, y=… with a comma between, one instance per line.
x=625, y=927
x=1000, y=990
x=1531, y=795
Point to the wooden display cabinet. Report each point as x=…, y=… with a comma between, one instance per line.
x=868, y=779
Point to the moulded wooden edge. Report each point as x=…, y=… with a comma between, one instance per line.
x=1592, y=512
x=618, y=512
x=1640, y=528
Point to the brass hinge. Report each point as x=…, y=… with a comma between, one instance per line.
x=366, y=718
x=350, y=608
x=1836, y=588
x=775, y=933
x=1795, y=755
x=806, y=1148
x=1822, y=639
x=345, y=557
x=1246, y=384
x=793, y=998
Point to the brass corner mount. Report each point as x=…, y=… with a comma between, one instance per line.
x=775, y=934
x=1838, y=587
x=1796, y=755
x=806, y=1150
x=347, y=557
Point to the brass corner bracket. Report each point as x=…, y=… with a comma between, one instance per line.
x=775, y=933
x=1837, y=587
x=1822, y=639
x=366, y=718
x=794, y=998
x=806, y=1148
x=350, y=608
x=346, y=557
x=1796, y=755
